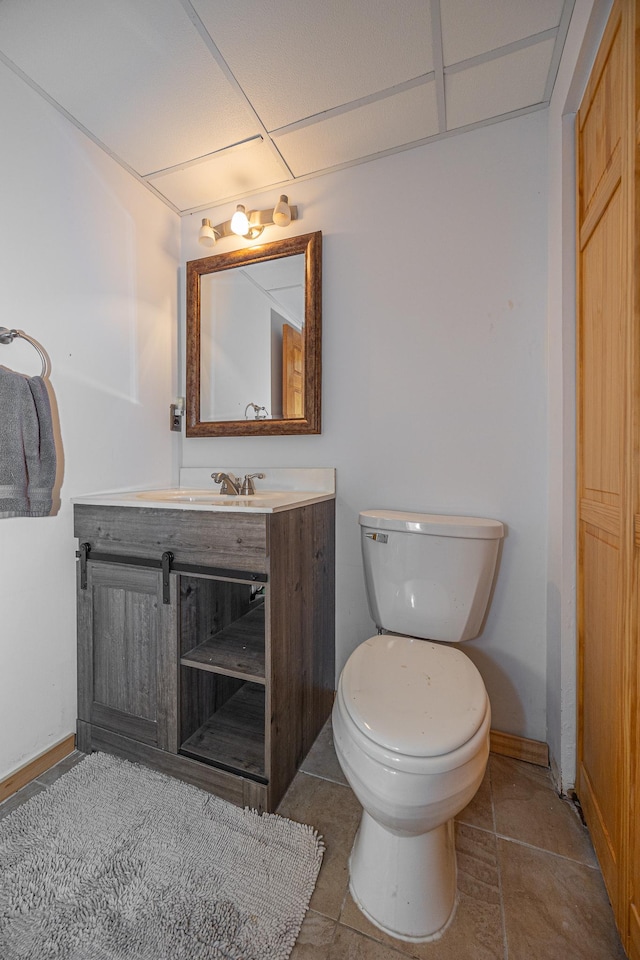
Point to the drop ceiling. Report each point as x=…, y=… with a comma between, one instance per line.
x=208, y=101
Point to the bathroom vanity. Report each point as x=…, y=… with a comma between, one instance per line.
x=206, y=633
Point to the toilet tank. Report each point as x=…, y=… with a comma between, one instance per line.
x=427, y=575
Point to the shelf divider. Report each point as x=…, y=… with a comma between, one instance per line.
x=236, y=651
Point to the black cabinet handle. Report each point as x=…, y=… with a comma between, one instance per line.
x=167, y=559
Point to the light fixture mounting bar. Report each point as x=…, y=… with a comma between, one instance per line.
x=257, y=218
x=264, y=218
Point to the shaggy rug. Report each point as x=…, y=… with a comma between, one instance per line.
x=118, y=862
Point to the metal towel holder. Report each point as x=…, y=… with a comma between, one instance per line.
x=8, y=336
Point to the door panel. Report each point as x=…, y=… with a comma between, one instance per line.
x=602, y=723
x=128, y=653
x=125, y=641
x=602, y=357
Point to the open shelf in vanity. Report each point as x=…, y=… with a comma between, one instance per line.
x=222, y=678
x=232, y=737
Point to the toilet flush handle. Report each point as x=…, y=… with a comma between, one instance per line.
x=381, y=537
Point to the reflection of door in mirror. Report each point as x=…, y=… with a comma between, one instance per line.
x=292, y=373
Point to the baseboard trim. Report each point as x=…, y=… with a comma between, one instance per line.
x=519, y=748
x=35, y=768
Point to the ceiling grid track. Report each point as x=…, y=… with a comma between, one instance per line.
x=356, y=104
x=438, y=64
x=504, y=51
x=194, y=17
x=561, y=36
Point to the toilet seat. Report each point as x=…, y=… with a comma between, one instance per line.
x=412, y=698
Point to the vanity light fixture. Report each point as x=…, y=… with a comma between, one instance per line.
x=248, y=224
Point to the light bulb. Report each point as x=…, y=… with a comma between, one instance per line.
x=282, y=212
x=207, y=235
x=240, y=221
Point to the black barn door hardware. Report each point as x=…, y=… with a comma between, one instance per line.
x=167, y=564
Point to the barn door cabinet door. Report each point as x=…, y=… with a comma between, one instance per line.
x=127, y=671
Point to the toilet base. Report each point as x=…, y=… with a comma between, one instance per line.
x=405, y=885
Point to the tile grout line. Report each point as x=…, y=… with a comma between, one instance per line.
x=551, y=853
x=379, y=943
x=530, y=846
x=333, y=935
x=503, y=919
x=319, y=776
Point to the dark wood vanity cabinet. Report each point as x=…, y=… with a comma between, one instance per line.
x=206, y=641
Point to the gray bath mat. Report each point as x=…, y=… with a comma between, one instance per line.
x=117, y=862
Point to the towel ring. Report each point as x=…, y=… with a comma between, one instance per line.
x=8, y=336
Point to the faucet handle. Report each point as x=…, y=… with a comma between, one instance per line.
x=248, y=486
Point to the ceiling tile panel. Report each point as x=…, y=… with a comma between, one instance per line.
x=498, y=86
x=136, y=74
x=221, y=177
x=297, y=58
x=361, y=132
x=473, y=28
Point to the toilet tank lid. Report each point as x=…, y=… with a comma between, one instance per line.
x=434, y=524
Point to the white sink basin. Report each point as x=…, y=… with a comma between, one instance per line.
x=209, y=496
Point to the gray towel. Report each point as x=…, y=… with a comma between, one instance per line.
x=27, y=446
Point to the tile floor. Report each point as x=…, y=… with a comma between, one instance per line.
x=529, y=886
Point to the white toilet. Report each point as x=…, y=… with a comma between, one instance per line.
x=411, y=718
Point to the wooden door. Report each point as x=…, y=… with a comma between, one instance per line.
x=292, y=373
x=127, y=654
x=634, y=812
x=607, y=457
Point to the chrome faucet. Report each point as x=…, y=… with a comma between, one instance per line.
x=229, y=484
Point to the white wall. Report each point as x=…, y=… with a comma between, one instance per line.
x=434, y=372
x=89, y=265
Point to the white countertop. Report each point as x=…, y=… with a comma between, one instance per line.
x=280, y=489
x=177, y=498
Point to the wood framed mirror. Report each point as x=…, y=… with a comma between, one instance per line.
x=254, y=337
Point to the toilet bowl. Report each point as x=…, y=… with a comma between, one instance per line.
x=411, y=718
x=419, y=767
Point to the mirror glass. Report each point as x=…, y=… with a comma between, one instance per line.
x=245, y=316
x=253, y=340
